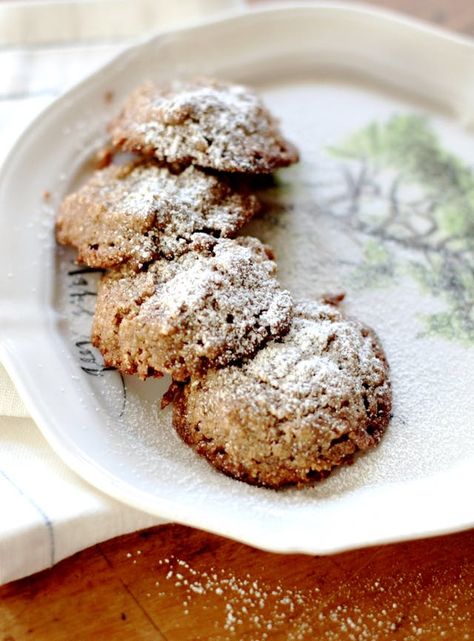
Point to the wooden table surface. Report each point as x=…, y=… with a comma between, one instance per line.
x=174, y=583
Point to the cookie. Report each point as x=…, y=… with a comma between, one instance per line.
x=204, y=122
x=303, y=405
x=211, y=306
x=137, y=212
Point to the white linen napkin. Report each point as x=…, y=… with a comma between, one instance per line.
x=47, y=512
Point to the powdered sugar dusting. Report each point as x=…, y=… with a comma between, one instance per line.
x=302, y=405
x=137, y=212
x=213, y=305
x=415, y=604
x=210, y=123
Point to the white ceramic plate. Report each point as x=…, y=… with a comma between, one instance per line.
x=381, y=207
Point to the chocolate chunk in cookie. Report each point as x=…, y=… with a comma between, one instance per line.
x=211, y=306
x=138, y=212
x=205, y=122
x=303, y=405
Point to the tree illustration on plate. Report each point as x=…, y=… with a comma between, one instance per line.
x=412, y=202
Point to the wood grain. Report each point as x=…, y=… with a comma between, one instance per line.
x=457, y=15
x=177, y=584
x=181, y=584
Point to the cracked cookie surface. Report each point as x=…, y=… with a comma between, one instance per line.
x=209, y=307
x=138, y=212
x=205, y=122
x=303, y=405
